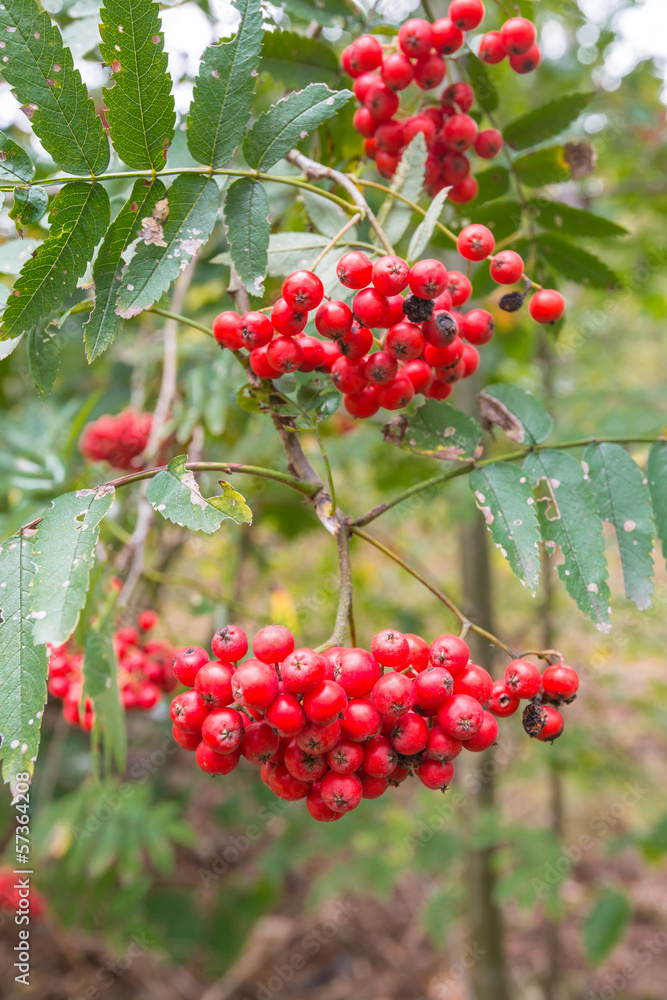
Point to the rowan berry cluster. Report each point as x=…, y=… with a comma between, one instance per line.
x=426, y=346
x=336, y=727
x=418, y=56
x=118, y=440
x=145, y=670
x=10, y=900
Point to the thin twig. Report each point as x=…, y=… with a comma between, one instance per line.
x=332, y=243
x=344, y=615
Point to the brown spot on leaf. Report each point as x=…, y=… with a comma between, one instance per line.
x=134, y=206
x=394, y=431
x=115, y=66
x=29, y=110
x=495, y=412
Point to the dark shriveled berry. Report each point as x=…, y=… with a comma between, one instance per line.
x=418, y=310
x=511, y=302
x=534, y=719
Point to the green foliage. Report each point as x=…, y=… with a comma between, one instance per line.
x=605, y=925
x=23, y=666
x=504, y=495
x=64, y=551
x=175, y=494
x=577, y=264
x=140, y=105
x=43, y=352
x=224, y=90
x=438, y=430
x=519, y=413
x=297, y=60
x=165, y=249
x=623, y=499
x=40, y=69
x=395, y=215
x=486, y=93
x=289, y=121
x=15, y=164
x=657, y=481
x=572, y=221
x=545, y=122
x=545, y=166
x=79, y=218
x=100, y=684
x=493, y=183
x=247, y=221
x=569, y=519
x=424, y=231
x=30, y=204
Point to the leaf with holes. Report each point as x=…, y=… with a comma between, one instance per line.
x=15, y=164
x=505, y=497
x=30, y=204
x=289, y=121
x=43, y=357
x=623, y=500
x=104, y=324
x=23, y=666
x=247, y=221
x=64, y=551
x=225, y=88
x=424, y=231
x=41, y=71
x=394, y=215
x=193, y=203
x=140, y=105
x=519, y=413
x=569, y=519
x=175, y=495
x=576, y=264
x=438, y=430
x=546, y=122
x=657, y=482
x=79, y=219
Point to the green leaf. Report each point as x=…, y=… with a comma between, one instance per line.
x=605, y=925
x=546, y=122
x=224, y=90
x=41, y=71
x=30, y=204
x=424, y=231
x=247, y=221
x=503, y=218
x=289, y=121
x=519, y=413
x=623, y=500
x=657, y=484
x=15, y=163
x=104, y=324
x=23, y=666
x=569, y=519
x=316, y=396
x=505, y=498
x=545, y=166
x=64, y=551
x=576, y=264
x=326, y=216
x=163, y=252
x=140, y=105
x=296, y=60
x=43, y=357
x=175, y=494
x=322, y=11
x=394, y=215
x=79, y=219
x=573, y=221
x=493, y=183
x=484, y=87
x=9, y=346
x=100, y=684
x=15, y=253
x=438, y=430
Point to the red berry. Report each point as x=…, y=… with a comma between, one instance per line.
x=346, y=757
x=389, y=137
x=362, y=404
x=213, y=684
x=463, y=192
x=286, y=320
x=273, y=643
x=470, y=360
x=302, y=765
x=341, y=792
x=430, y=71
x=491, y=48
x=390, y=648
x=285, y=715
x=460, y=132
x=553, y=724
x=380, y=368
x=354, y=269
x=396, y=71
x=361, y=720
x=255, y=684
x=396, y=394
x=438, y=389
x=443, y=357
x=362, y=85
x=560, y=682
x=227, y=330
x=188, y=662
x=364, y=123
x=435, y=774
x=461, y=716
x=420, y=374
x=259, y=743
x=404, y=341
x=325, y=703
x=330, y=355
x=346, y=62
x=380, y=758
x=356, y=671
x=387, y=163
x=393, y=695
x=416, y=124
x=373, y=788
x=502, y=702
x=303, y=290
x=371, y=147
x=366, y=53
x=256, y=330
x=451, y=652
x=415, y=37
x=488, y=143
x=526, y=63
x=333, y=319
x=259, y=363
x=223, y=729
x=418, y=649
x=284, y=354
x=318, y=739
x=285, y=785
x=460, y=94
x=441, y=329
x=348, y=376
x=301, y=670
x=517, y=35
x=547, y=306
x=390, y=275
x=313, y=353
x=229, y=643
x=459, y=287
x=478, y=326
x=455, y=167
x=523, y=678
x=507, y=267
x=189, y=741
x=467, y=14
x=433, y=686
x=409, y=734
x=370, y=308
x=447, y=38
x=382, y=102
x=440, y=746
x=318, y=808
x=475, y=681
x=428, y=279
x=396, y=314
x=475, y=242
x=486, y=737
x=212, y=762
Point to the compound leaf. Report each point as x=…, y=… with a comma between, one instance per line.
x=175, y=494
